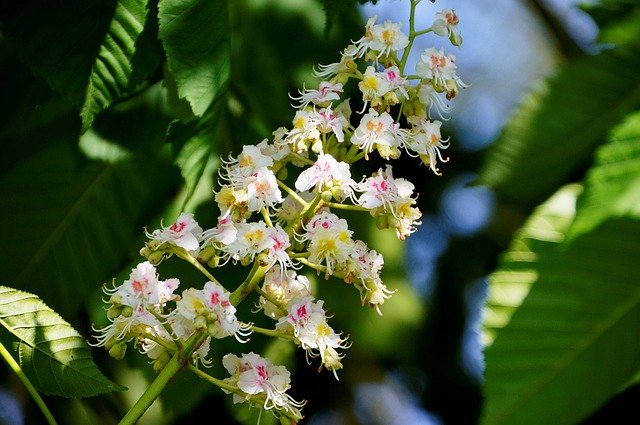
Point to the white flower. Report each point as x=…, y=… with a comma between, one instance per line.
x=388, y=38
x=256, y=375
x=329, y=241
x=262, y=190
x=440, y=69
x=332, y=121
x=379, y=190
x=307, y=321
x=360, y=47
x=304, y=132
x=366, y=267
x=374, y=84
x=210, y=306
x=248, y=162
x=346, y=65
x=396, y=80
x=446, y=25
x=143, y=289
x=282, y=286
x=429, y=97
x=277, y=244
x=252, y=238
x=184, y=233
x=224, y=233
x=426, y=141
x=323, y=95
x=379, y=131
x=326, y=174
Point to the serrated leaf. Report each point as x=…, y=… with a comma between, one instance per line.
x=195, y=36
x=612, y=186
x=68, y=225
x=564, y=319
x=556, y=127
x=54, y=356
x=113, y=66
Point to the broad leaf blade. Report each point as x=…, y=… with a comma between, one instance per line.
x=194, y=144
x=59, y=40
x=68, y=225
x=575, y=306
x=113, y=67
x=612, y=186
x=556, y=127
x=53, y=355
x=195, y=36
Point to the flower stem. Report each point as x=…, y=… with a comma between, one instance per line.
x=293, y=194
x=272, y=332
x=217, y=382
x=188, y=257
x=177, y=362
x=346, y=207
x=249, y=284
x=6, y=355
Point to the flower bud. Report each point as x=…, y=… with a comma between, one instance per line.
x=213, y=261
x=342, y=78
x=327, y=196
x=114, y=311
x=382, y=222
x=156, y=257
x=145, y=251
x=117, y=351
x=282, y=173
x=206, y=253
x=126, y=311
x=337, y=193
x=263, y=259
x=200, y=322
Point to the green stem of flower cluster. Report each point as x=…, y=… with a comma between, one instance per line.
x=250, y=283
x=272, y=332
x=15, y=367
x=177, y=362
x=217, y=382
x=195, y=263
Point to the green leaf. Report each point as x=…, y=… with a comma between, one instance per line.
x=113, y=66
x=53, y=355
x=554, y=130
x=195, y=36
x=194, y=143
x=68, y=225
x=612, y=186
x=556, y=311
x=59, y=40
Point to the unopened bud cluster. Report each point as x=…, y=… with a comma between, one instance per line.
x=279, y=205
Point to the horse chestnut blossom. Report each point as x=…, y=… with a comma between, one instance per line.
x=185, y=233
x=446, y=25
x=258, y=378
x=307, y=321
x=280, y=205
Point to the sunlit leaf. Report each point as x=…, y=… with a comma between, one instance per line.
x=53, y=355
x=113, y=66
x=612, y=186
x=556, y=127
x=195, y=36
x=561, y=321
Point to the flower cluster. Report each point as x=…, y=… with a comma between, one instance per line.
x=279, y=204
